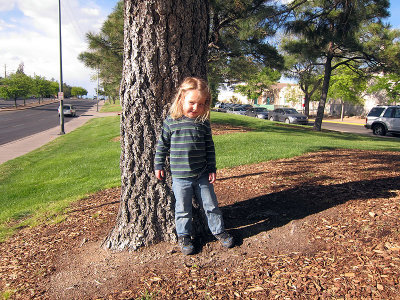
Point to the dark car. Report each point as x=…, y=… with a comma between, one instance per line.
x=383, y=119
x=287, y=115
x=257, y=112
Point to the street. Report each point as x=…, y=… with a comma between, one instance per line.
x=350, y=128
x=16, y=125
x=343, y=127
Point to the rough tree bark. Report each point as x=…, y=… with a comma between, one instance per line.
x=324, y=95
x=164, y=42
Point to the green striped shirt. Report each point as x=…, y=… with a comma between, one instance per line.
x=189, y=145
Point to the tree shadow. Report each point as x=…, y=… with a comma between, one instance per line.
x=253, y=216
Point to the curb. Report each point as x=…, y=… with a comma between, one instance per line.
x=339, y=122
x=13, y=108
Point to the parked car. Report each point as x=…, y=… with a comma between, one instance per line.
x=220, y=106
x=257, y=112
x=247, y=106
x=384, y=119
x=238, y=110
x=68, y=109
x=287, y=115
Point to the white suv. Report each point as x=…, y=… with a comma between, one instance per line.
x=384, y=119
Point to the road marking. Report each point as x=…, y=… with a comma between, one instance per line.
x=339, y=122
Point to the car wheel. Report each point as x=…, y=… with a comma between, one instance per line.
x=271, y=119
x=287, y=121
x=379, y=129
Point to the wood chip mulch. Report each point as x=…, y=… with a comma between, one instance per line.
x=323, y=225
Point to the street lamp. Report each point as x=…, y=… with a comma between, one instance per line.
x=98, y=73
x=60, y=93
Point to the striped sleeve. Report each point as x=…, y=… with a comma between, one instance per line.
x=210, y=149
x=163, y=146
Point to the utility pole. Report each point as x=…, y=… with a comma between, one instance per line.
x=5, y=71
x=98, y=71
x=61, y=94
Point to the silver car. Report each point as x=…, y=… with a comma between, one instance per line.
x=68, y=109
x=258, y=112
x=383, y=119
x=237, y=110
x=287, y=115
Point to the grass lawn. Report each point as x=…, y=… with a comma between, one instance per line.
x=274, y=140
x=38, y=186
x=111, y=106
x=42, y=183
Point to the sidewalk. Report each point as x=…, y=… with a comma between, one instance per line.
x=27, y=144
x=346, y=120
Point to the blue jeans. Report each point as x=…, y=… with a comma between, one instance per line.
x=184, y=189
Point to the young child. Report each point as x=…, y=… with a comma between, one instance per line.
x=186, y=138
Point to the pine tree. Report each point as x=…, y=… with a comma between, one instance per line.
x=330, y=31
x=165, y=41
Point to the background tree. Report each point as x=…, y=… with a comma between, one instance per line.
x=14, y=86
x=77, y=91
x=331, y=31
x=237, y=43
x=67, y=90
x=390, y=83
x=387, y=76
x=105, y=53
x=238, y=40
x=41, y=87
x=306, y=70
x=347, y=86
x=160, y=50
x=54, y=87
x=293, y=95
x=258, y=82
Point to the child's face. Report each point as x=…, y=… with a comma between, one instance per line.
x=193, y=104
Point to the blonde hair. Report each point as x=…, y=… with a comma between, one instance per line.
x=191, y=83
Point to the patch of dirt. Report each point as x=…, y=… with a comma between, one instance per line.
x=323, y=225
x=218, y=129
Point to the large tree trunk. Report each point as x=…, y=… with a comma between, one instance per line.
x=324, y=94
x=164, y=41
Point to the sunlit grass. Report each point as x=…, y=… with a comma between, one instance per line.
x=110, y=106
x=43, y=182
x=272, y=140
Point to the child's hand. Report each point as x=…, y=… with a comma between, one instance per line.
x=212, y=177
x=160, y=174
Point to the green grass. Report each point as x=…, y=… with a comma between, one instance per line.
x=39, y=186
x=111, y=107
x=273, y=140
x=42, y=183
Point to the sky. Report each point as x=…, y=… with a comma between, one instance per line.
x=29, y=34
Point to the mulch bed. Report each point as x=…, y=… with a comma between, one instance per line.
x=323, y=225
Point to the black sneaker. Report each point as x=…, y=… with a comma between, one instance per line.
x=185, y=242
x=226, y=239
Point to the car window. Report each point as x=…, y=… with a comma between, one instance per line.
x=260, y=109
x=376, y=112
x=397, y=113
x=389, y=112
x=290, y=111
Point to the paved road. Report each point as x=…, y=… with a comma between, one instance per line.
x=18, y=124
x=357, y=128
x=343, y=127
